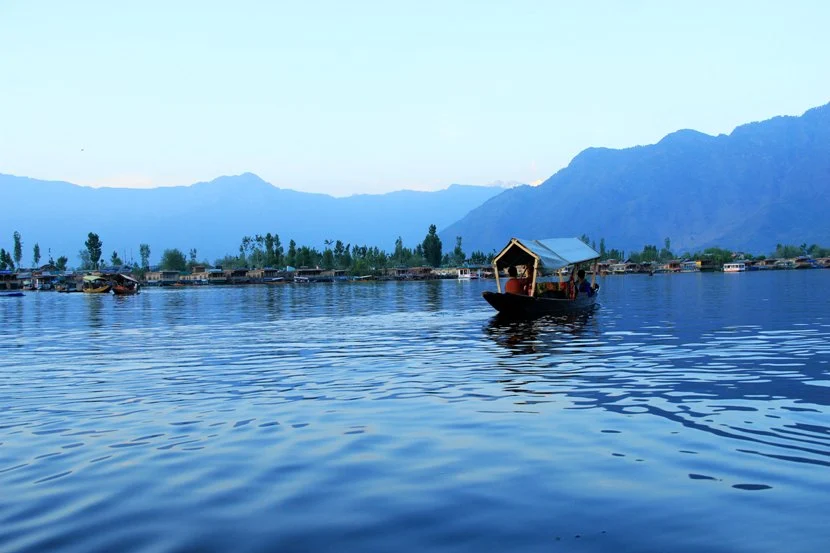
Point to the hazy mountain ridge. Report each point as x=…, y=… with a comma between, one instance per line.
x=766, y=182
x=214, y=216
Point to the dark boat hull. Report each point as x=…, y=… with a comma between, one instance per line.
x=11, y=294
x=124, y=291
x=515, y=305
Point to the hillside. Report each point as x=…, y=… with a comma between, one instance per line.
x=763, y=184
x=213, y=216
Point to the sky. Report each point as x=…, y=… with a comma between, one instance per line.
x=370, y=97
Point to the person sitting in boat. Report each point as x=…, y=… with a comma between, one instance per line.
x=515, y=285
x=583, y=286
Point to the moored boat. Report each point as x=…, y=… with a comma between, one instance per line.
x=544, y=298
x=464, y=273
x=735, y=267
x=124, y=285
x=95, y=284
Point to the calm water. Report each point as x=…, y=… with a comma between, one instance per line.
x=688, y=413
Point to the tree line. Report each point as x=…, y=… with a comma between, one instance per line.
x=267, y=250
x=651, y=253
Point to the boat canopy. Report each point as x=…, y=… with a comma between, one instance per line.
x=93, y=278
x=552, y=253
x=127, y=278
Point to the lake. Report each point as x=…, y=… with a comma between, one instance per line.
x=689, y=412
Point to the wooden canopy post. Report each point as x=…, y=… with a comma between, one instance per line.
x=535, y=272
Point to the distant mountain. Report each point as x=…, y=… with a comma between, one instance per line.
x=765, y=183
x=214, y=216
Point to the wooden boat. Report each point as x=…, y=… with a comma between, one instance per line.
x=124, y=285
x=550, y=255
x=94, y=284
x=11, y=294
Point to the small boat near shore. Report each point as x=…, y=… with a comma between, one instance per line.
x=545, y=256
x=11, y=294
x=735, y=267
x=124, y=285
x=95, y=284
x=464, y=273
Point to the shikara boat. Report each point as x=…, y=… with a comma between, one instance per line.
x=124, y=285
x=545, y=297
x=11, y=294
x=94, y=284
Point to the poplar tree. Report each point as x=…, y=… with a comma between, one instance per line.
x=93, y=247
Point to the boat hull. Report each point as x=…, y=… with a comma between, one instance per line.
x=98, y=290
x=124, y=291
x=515, y=305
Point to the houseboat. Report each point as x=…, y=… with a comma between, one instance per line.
x=464, y=273
x=734, y=267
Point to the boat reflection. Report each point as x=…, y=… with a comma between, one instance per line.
x=542, y=334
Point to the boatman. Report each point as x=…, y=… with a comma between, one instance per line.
x=515, y=285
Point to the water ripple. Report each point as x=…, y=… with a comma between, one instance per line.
x=406, y=416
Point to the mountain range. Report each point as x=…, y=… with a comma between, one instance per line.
x=763, y=184
x=214, y=216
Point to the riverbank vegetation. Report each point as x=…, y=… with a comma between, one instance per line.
x=259, y=251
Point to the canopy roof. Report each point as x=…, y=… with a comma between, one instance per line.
x=552, y=253
x=93, y=278
x=125, y=277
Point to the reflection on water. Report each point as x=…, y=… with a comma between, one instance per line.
x=558, y=332
x=406, y=416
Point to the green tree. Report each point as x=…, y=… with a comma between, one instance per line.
x=458, y=253
x=602, y=248
x=93, y=247
x=403, y=256
x=718, y=256
x=245, y=249
x=115, y=260
x=18, y=248
x=278, y=251
x=291, y=256
x=270, y=255
x=60, y=264
x=328, y=259
x=173, y=260
x=347, y=256
x=36, y=254
x=4, y=264
x=786, y=251
x=339, y=250
x=478, y=258
x=432, y=247
x=86, y=263
x=144, y=252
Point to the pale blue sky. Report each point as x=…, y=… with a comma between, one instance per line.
x=347, y=97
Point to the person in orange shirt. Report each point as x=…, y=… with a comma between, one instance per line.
x=515, y=285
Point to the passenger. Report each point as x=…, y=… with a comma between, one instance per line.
x=515, y=285
x=583, y=286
